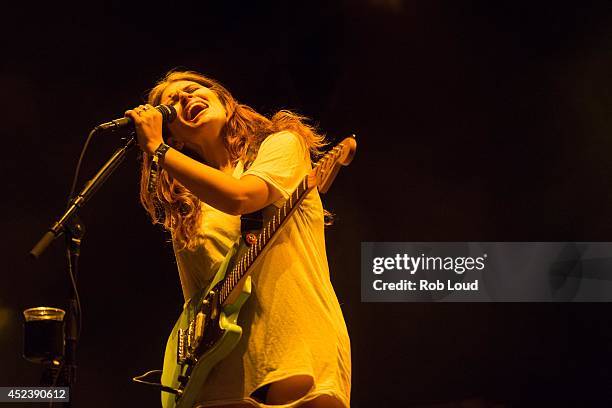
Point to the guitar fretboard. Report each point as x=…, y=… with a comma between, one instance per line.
x=325, y=169
x=244, y=263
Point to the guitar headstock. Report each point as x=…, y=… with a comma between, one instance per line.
x=326, y=169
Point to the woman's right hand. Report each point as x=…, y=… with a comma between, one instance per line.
x=148, y=122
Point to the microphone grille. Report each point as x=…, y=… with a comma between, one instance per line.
x=168, y=112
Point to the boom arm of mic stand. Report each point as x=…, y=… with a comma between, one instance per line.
x=86, y=193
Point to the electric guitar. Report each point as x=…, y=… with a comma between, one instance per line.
x=207, y=329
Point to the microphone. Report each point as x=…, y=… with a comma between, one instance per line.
x=167, y=111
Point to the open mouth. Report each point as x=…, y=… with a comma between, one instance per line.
x=194, y=110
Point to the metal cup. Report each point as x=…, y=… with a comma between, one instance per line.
x=43, y=334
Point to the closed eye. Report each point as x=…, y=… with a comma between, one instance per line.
x=191, y=88
x=172, y=99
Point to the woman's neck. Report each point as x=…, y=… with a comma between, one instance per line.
x=215, y=155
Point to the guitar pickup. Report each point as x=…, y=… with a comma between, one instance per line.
x=200, y=327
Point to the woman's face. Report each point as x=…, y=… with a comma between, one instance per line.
x=199, y=112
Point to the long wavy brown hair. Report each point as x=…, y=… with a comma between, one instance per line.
x=177, y=208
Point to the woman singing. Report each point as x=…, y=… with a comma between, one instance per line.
x=226, y=160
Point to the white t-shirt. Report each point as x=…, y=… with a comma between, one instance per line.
x=292, y=322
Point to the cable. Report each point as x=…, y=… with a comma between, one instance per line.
x=76, y=294
x=79, y=163
x=141, y=380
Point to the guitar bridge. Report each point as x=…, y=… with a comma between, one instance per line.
x=181, y=355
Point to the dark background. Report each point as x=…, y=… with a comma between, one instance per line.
x=481, y=121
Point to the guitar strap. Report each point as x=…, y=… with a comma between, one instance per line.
x=253, y=222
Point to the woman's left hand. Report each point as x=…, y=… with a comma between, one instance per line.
x=148, y=122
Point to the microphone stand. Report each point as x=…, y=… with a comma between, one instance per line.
x=70, y=225
x=77, y=202
x=169, y=114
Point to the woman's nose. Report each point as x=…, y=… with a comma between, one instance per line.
x=184, y=95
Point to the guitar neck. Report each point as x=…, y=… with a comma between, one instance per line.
x=321, y=176
x=242, y=267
